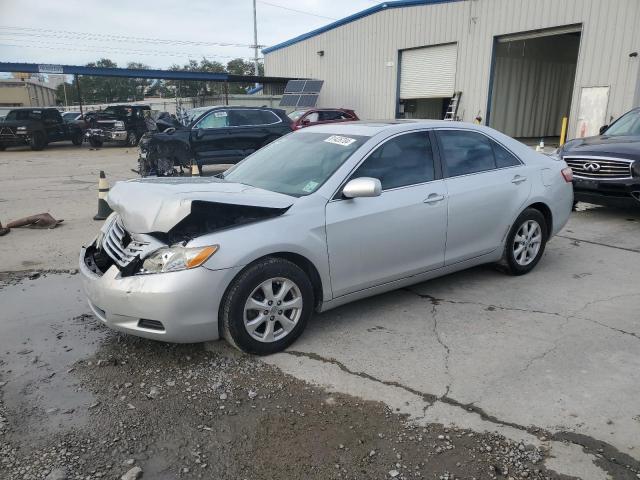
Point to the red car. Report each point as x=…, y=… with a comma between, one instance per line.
x=320, y=116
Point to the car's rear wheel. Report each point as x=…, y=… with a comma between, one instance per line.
x=77, y=138
x=526, y=242
x=38, y=141
x=267, y=306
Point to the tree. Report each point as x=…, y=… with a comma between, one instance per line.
x=239, y=66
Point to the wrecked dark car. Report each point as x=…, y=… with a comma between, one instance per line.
x=220, y=135
x=36, y=127
x=606, y=167
x=117, y=123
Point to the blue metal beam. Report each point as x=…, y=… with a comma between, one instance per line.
x=135, y=73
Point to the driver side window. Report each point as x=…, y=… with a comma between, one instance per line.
x=216, y=119
x=401, y=161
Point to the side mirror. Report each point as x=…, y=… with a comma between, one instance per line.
x=362, y=187
x=306, y=122
x=603, y=129
x=197, y=132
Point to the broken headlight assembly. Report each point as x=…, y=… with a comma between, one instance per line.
x=176, y=258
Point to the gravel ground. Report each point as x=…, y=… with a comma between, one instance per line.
x=178, y=411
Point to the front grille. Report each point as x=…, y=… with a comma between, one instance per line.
x=7, y=131
x=117, y=243
x=600, y=168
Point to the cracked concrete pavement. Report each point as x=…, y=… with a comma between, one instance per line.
x=551, y=358
x=558, y=349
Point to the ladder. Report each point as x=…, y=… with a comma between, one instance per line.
x=452, y=111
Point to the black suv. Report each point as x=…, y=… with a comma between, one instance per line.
x=36, y=127
x=606, y=168
x=219, y=135
x=117, y=123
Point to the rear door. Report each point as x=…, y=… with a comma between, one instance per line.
x=400, y=233
x=487, y=187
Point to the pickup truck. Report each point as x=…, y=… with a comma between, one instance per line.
x=117, y=123
x=36, y=127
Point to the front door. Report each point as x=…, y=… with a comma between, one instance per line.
x=487, y=186
x=210, y=139
x=400, y=233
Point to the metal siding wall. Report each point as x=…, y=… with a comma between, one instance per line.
x=356, y=74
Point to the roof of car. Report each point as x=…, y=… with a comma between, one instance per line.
x=373, y=127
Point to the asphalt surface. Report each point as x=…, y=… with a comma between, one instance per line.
x=549, y=361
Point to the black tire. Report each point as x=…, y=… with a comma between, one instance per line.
x=132, y=139
x=95, y=142
x=513, y=266
x=77, y=139
x=232, y=308
x=38, y=141
x=2, y=148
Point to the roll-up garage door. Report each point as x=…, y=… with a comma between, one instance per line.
x=428, y=72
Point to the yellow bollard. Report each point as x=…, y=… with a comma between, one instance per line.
x=563, y=133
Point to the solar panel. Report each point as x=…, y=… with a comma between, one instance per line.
x=294, y=86
x=312, y=86
x=308, y=100
x=289, y=100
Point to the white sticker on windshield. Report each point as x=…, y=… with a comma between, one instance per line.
x=310, y=186
x=340, y=140
x=219, y=114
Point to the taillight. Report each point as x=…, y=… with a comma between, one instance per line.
x=567, y=173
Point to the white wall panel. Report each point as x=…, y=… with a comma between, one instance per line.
x=357, y=56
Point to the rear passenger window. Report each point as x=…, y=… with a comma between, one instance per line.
x=504, y=158
x=466, y=152
x=404, y=160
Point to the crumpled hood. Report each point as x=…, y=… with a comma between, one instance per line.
x=158, y=204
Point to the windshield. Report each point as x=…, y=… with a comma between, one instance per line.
x=296, y=164
x=24, y=115
x=628, y=124
x=297, y=114
x=70, y=116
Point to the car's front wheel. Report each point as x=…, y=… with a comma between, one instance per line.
x=77, y=139
x=526, y=242
x=132, y=139
x=95, y=142
x=267, y=306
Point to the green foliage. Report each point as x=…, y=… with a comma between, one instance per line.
x=114, y=90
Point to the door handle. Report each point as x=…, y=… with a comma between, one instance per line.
x=518, y=179
x=434, y=198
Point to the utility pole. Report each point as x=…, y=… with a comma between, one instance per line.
x=255, y=40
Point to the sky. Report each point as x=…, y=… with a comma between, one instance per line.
x=158, y=33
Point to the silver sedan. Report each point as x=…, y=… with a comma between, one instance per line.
x=321, y=217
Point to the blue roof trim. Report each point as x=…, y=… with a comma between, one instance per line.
x=352, y=18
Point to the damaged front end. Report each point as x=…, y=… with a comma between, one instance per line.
x=161, y=252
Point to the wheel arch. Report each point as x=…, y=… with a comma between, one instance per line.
x=544, y=209
x=301, y=261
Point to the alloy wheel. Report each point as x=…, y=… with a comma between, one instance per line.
x=527, y=242
x=272, y=310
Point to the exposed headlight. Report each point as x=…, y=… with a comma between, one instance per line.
x=635, y=168
x=22, y=129
x=173, y=259
x=118, y=125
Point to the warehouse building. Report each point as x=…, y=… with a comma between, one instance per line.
x=25, y=93
x=519, y=66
